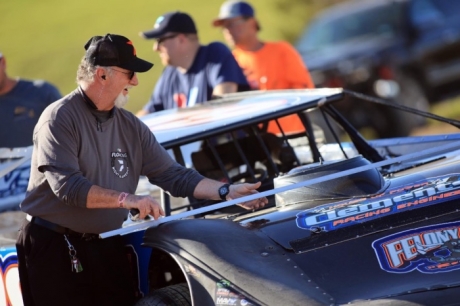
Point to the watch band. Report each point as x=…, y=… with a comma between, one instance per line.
x=223, y=191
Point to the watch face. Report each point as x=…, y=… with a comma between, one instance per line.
x=223, y=191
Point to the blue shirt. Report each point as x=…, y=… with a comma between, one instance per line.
x=214, y=64
x=20, y=109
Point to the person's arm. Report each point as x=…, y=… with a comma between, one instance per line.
x=224, y=73
x=99, y=197
x=180, y=181
x=74, y=189
x=142, y=112
x=225, y=87
x=208, y=189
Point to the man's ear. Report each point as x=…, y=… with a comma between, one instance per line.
x=101, y=74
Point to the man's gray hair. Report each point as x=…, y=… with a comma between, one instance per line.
x=86, y=71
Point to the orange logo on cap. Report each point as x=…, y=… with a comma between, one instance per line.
x=134, y=49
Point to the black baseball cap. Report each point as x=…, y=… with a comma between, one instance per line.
x=114, y=50
x=176, y=22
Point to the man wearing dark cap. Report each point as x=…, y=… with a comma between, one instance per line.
x=194, y=73
x=88, y=156
x=267, y=65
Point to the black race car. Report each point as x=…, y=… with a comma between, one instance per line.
x=351, y=221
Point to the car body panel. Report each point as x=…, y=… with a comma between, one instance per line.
x=9, y=277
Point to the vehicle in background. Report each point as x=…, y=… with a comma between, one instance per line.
x=381, y=216
x=401, y=50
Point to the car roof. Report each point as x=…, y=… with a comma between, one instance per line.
x=185, y=125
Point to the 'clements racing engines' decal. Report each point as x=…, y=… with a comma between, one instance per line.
x=429, y=249
x=340, y=214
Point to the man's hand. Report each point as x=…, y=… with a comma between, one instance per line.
x=241, y=190
x=145, y=204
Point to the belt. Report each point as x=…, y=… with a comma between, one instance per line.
x=60, y=229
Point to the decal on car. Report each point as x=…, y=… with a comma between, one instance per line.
x=226, y=295
x=345, y=213
x=9, y=278
x=429, y=249
x=15, y=182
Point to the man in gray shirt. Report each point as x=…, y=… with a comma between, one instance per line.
x=88, y=156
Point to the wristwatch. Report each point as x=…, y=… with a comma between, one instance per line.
x=224, y=190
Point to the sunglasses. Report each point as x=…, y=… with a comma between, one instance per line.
x=130, y=74
x=165, y=38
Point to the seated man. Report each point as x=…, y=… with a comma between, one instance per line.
x=194, y=73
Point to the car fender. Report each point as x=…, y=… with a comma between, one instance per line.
x=251, y=262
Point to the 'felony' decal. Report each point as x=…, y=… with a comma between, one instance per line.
x=429, y=249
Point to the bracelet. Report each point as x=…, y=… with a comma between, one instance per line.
x=121, y=199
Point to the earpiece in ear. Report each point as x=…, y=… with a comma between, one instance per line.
x=103, y=77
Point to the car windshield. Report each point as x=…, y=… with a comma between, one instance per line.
x=372, y=22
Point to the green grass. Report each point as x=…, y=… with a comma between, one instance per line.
x=44, y=39
x=449, y=108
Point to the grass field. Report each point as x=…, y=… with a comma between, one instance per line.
x=44, y=39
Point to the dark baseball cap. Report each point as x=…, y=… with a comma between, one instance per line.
x=176, y=22
x=114, y=50
x=232, y=9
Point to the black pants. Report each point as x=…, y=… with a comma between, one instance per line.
x=46, y=275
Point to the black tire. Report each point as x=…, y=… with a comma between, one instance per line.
x=175, y=295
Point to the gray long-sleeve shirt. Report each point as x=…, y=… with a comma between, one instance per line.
x=73, y=150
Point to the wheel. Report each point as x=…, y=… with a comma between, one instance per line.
x=399, y=123
x=174, y=295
